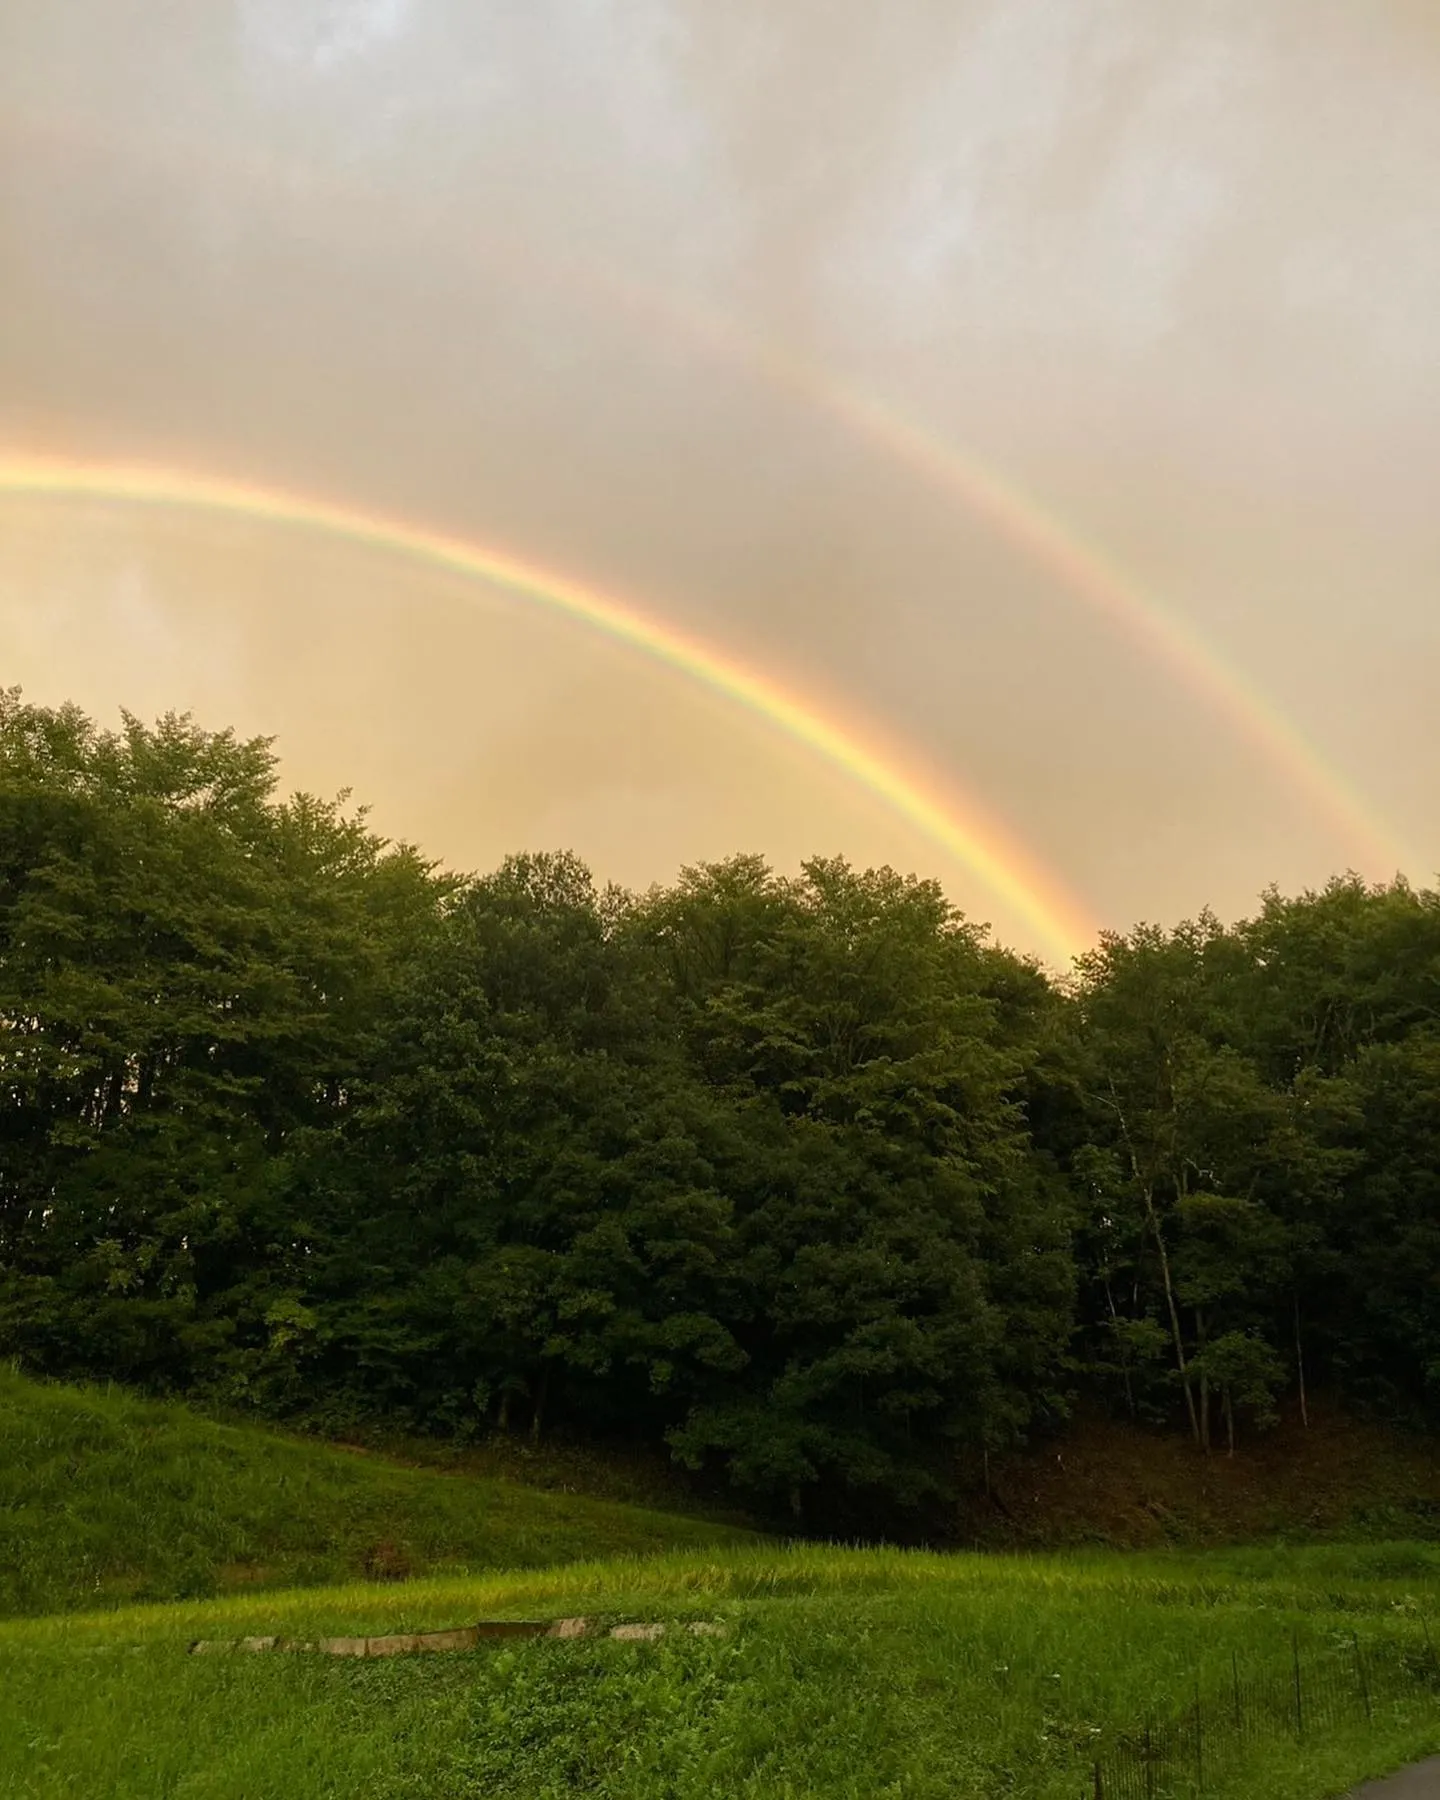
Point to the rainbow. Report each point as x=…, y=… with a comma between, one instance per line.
x=1093, y=578
x=1079, y=568
x=1032, y=893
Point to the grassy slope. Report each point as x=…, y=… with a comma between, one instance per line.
x=846, y=1674
x=106, y=1498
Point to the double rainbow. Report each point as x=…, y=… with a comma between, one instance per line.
x=1081, y=570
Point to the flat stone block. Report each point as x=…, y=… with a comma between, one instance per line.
x=396, y=1645
x=401, y=1643
x=637, y=1633
x=463, y=1637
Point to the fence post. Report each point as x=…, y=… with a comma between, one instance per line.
x=1235, y=1679
x=1149, y=1761
x=1299, y=1702
x=1099, y=1783
x=1360, y=1671
x=1199, y=1743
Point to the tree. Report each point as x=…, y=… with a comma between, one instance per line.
x=905, y=1256
x=803, y=1176
x=1180, y=1121
x=184, y=963
x=528, y=1163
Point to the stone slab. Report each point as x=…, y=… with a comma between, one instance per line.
x=397, y=1644
x=404, y=1643
x=463, y=1637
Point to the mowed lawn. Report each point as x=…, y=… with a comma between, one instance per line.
x=841, y=1673
x=105, y=1498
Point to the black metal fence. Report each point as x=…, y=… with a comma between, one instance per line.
x=1320, y=1687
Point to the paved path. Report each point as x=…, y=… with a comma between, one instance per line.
x=1420, y=1783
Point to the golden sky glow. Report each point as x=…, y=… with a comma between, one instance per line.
x=1038, y=399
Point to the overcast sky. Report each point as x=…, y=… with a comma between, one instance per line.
x=602, y=283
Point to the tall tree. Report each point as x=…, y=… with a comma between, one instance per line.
x=905, y=1255
x=184, y=964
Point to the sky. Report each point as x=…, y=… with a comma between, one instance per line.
x=1024, y=415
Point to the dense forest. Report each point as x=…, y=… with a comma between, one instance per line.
x=803, y=1177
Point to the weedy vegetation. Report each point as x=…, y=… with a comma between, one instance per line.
x=842, y=1673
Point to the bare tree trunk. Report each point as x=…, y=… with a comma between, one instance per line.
x=1229, y=1424
x=1178, y=1336
x=1152, y=1219
x=1124, y=1353
x=541, y=1391
x=1204, y=1385
x=1300, y=1368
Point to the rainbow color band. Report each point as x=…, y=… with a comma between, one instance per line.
x=1032, y=893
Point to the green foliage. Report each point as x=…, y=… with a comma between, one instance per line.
x=106, y=1499
x=800, y=1176
x=1254, y=1158
x=843, y=1675
x=185, y=966
x=907, y=1260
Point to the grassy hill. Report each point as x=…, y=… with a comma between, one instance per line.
x=842, y=1675
x=839, y=1674
x=106, y=1498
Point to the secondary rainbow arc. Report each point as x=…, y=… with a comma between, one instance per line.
x=1095, y=579
x=1080, y=569
x=1034, y=894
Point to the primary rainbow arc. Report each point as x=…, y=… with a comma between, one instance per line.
x=1033, y=893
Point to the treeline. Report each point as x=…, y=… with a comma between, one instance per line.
x=805, y=1178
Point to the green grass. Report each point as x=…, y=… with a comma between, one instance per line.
x=845, y=1674
x=105, y=1498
